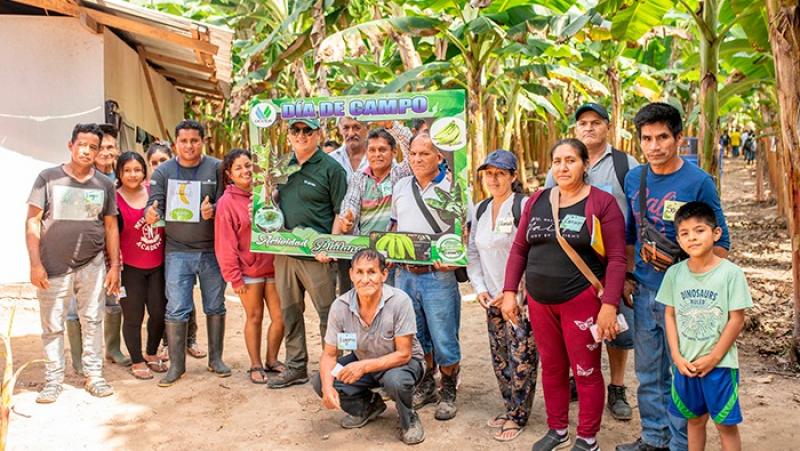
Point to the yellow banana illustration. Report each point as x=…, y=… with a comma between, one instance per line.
x=182, y=193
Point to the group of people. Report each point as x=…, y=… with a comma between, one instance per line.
x=611, y=252
x=743, y=140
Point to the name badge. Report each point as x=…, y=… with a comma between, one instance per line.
x=670, y=208
x=504, y=225
x=573, y=223
x=346, y=341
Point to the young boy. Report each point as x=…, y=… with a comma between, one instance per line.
x=705, y=298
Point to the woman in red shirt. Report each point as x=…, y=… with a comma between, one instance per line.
x=563, y=305
x=251, y=274
x=142, y=248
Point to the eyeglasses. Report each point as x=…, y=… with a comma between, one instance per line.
x=294, y=131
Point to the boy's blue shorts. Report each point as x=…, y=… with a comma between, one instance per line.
x=716, y=394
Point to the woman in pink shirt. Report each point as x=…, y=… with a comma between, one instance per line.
x=142, y=248
x=251, y=274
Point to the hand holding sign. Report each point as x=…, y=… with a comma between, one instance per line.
x=206, y=209
x=151, y=215
x=347, y=221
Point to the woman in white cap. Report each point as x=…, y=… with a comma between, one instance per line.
x=494, y=224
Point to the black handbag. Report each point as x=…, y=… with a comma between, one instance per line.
x=657, y=250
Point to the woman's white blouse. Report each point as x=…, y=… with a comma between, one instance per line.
x=488, y=247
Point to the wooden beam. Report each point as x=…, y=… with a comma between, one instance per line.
x=151, y=89
x=183, y=77
x=136, y=27
x=90, y=24
x=166, y=59
x=198, y=89
x=195, y=92
x=125, y=24
x=202, y=58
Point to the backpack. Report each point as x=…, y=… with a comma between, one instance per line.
x=621, y=166
x=516, y=208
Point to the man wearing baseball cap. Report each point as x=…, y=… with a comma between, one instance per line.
x=607, y=169
x=310, y=198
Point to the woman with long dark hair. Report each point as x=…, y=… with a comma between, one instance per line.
x=142, y=248
x=252, y=275
x=571, y=247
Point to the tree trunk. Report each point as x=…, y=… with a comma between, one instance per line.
x=317, y=36
x=302, y=78
x=709, y=102
x=784, y=36
x=616, y=105
x=477, y=145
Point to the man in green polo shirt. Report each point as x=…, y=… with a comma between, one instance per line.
x=310, y=198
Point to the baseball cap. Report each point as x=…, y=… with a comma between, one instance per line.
x=501, y=159
x=313, y=124
x=597, y=108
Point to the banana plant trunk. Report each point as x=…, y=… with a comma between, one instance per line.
x=709, y=101
x=784, y=35
x=616, y=105
x=477, y=141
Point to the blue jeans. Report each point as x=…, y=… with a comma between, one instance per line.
x=182, y=269
x=654, y=371
x=437, y=305
x=625, y=339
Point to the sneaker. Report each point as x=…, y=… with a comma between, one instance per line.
x=414, y=434
x=425, y=392
x=290, y=376
x=377, y=407
x=447, y=409
x=98, y=387
x=618, y=403
x=582, y=445
x=551, y=441
x=639, y=445
x=49, y=393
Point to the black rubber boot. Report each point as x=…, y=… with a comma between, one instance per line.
x=111, y=334
x=176, y=343
x=215, y=325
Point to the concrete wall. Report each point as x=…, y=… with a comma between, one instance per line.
x=52, y=78
x=124, y=81
x=56, y=74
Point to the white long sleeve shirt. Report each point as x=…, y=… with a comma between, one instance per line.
x=489, y=245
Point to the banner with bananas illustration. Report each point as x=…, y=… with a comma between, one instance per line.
x=443, y=110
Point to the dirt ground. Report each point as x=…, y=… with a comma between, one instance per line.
x=204, y=412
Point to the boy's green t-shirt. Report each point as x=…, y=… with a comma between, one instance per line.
x=702, y=302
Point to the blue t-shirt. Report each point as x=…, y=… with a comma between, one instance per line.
x=666, y=193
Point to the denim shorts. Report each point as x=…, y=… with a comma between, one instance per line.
x=253, y=280
x=625, y=339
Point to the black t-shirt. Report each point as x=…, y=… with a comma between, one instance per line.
x=551, y=277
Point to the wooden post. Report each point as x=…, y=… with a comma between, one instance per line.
x=151, y=89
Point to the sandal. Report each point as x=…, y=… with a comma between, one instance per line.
x=49, y=393
x=514, y=429
x=157, y=365
x=498, y=421
x=277, y=367
x=141, y=373
x=98, y=387
x=260, y=371
x=193, y=349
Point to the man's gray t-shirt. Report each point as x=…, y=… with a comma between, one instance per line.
x=187, y=236
x=394, y=317
x=603, y=176
x=73, y=213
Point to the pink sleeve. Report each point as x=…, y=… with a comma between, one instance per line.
x=225, y=243
x=612, y=223
x=518, y=255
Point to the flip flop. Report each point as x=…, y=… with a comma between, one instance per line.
x=261, y=372
x=158, y=366
x=498, y=421
x=141, y=373
x=515, y=429
x=277, y=367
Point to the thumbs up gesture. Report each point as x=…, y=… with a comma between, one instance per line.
x=347, y=221
x=206, y=209
x=151, y=215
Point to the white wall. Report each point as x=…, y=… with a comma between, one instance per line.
x=51, y=79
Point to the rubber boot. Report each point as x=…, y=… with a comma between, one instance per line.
x=111, y=330
x=215, y=325
x=75, y=344
x=176, y=342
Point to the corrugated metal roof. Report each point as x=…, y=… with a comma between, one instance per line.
x=194, y=56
